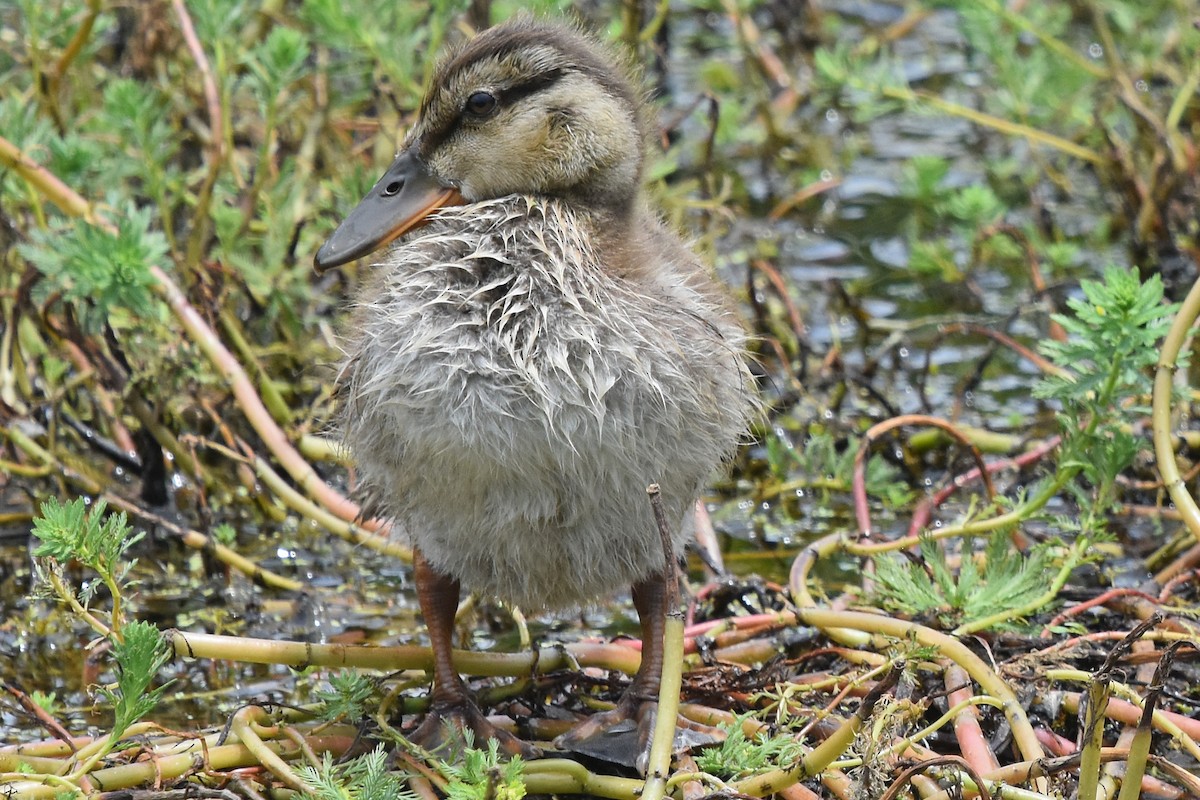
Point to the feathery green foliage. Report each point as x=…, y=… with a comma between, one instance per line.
x=739, y=755
x=1001, y=579
x=1107, y=358
x=1112, y=344
x=139, y=655
x=100, y=273
x=827, y=466
x=72, y=532
x=347, y=696
x=364, y=778
x=478, y=774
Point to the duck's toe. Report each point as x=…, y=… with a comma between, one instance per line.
x=623, y=735
x=441, y=732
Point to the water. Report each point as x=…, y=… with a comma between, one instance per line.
x=872, y=324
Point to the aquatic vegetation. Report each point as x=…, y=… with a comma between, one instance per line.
x=959, y=231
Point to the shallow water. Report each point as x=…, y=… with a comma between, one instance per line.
x=845, y=258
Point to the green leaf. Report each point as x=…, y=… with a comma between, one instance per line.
x=921, y=178
x=101, y=273
x=477, y=774
x=975, y=205
x=1001, y=579
x=278, y=61
x=739, y=756
x=348, y=696
x=140, y=654
x=364, y=778
x=69, y=532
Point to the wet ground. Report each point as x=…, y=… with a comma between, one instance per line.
x=844, y=256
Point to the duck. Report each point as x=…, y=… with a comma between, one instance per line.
x=532, y=347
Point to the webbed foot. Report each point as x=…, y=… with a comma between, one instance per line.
x=623, y=735
x=444, y=725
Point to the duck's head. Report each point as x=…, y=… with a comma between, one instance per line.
x=526, y=107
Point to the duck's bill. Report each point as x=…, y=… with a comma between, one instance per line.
x=397, y=203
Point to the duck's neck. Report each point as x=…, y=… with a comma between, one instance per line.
x=629, y=239
x=610, y=194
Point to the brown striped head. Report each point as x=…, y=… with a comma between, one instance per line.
x=533, y=107
x=527, y=107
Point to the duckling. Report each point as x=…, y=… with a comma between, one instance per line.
x=533, y=351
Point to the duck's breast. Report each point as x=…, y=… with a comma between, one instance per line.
x=510, y=401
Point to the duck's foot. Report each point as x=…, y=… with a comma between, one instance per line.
x=442, y=731
x=623, y=735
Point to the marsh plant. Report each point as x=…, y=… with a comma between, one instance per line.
x=168, y=169
x=1101, y=386
x=99, y=542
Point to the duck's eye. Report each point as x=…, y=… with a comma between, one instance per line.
x=481, y=104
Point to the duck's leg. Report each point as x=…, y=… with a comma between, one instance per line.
x=622, y=735
x=650, y=600
x=451, y=701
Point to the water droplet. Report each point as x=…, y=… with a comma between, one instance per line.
x=903, y=351
x=831, y=115
x=826, y=175
x=1095, y=50
x=1141, y=86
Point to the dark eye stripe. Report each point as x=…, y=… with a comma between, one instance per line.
x=505, y=96
x=535, y=84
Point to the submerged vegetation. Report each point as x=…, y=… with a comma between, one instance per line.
x=965, y=235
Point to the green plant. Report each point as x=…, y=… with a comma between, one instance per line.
x=364, y=778
x=821, y=464
x=1107, y=357
x=1103, y=382
x=139, y=655
x=346, y=697
x=1122, y=103
x=740, y=755
x=478, y=774
x=72, y=532
x=100, y=542
x=943, y=222
x=999, y=579
x=105, y=276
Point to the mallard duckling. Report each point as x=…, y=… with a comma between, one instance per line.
x=532, y=352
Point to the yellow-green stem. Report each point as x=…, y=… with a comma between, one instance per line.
x=1093, y=738
x=1164, y=450
x=668, y=709
x=1000, y=124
